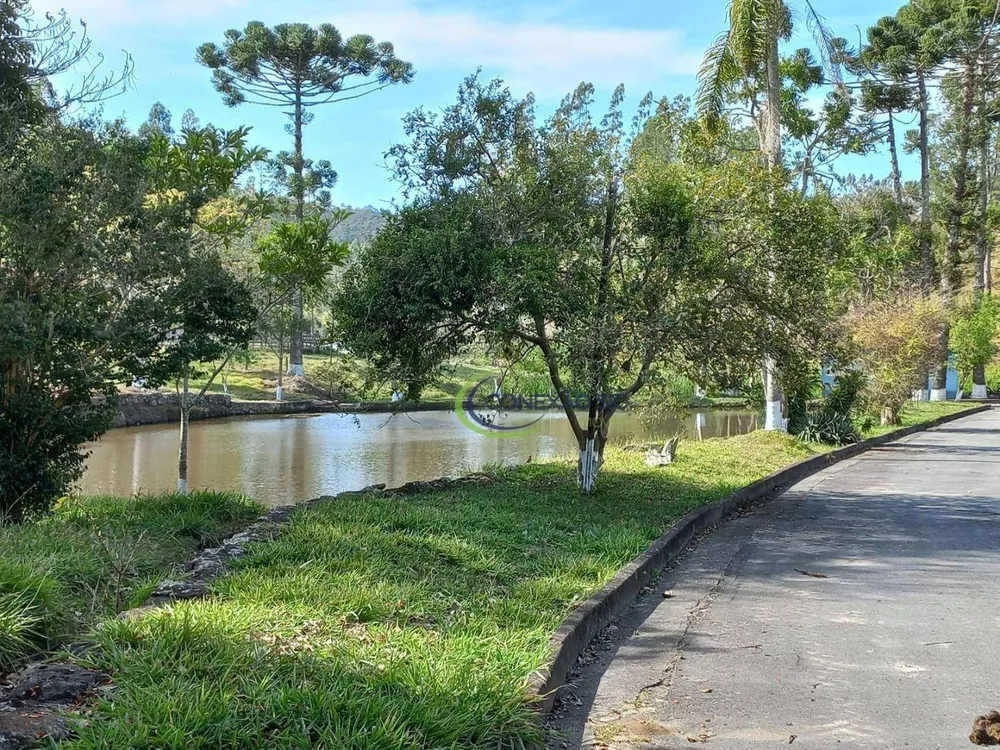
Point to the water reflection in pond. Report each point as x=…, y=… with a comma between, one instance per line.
x=280, y=460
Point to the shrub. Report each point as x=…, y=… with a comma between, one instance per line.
x=897, y=342
x=830, y=428
x=845, y=393
x=801, y=382
x=973, y=335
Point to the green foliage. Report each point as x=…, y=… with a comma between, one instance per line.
x=604, y=250
x=259, y=63
x=93, y=557
x=79, y=256
x=820, y=136
x=420, y=620
x=973, y=338
x=737, y=60
x=801, y=384
x=846, y=392
x=829, y=428
x=882, y=255
x=897, y=342
x=402, y=302
x=300, y=67
x=301, y=255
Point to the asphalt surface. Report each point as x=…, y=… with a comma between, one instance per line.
x=859, y=609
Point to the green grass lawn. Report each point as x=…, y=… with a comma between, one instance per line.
x=401, y=622
x=918, y=412
x=96, y=556
x=255, y=380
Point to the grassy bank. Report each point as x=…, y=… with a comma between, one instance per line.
x=95, y=556
x=919, y=412
x=401, y=622
x=339, y=375
x=343, y=377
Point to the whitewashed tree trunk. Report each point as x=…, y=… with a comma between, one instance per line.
x=279, y=392
x=589, y=466
x=182, y=454
x=774, y=418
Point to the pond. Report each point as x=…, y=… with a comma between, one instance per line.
x=281, y=460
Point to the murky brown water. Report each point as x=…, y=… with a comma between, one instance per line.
x=279, y=460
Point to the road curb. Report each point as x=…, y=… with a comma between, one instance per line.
x=605, y=606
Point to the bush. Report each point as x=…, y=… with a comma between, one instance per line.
x=897, y=342
x=830, y=428
x=845, y=393
x=802, y=384
x=43, y=457
x=973, y=335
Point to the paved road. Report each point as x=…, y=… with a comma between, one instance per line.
x=861, y=609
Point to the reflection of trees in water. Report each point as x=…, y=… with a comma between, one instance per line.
x=287, y=459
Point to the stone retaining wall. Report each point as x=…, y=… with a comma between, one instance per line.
x=156, y=407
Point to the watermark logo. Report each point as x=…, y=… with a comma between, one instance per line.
x=484, y=409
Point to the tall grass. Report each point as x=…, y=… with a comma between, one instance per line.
x=93, y=557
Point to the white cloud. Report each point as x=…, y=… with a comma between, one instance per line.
x=548, y=56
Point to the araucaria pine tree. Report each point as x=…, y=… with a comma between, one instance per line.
x=298, y=67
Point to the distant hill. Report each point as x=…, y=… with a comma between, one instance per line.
x=362, y=225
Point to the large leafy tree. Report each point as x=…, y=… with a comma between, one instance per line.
x=86, y=265
x=298, y=67
x=744, y=64
x=603, y=253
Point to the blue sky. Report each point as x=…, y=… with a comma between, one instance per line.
x=544, y=47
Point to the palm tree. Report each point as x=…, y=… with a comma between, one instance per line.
x=744, y=58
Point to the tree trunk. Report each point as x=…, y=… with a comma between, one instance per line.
x=890, y=416
x=957, y=209
x=279, y=392
x=982, y=231
x=897, y=180
x=592, y=444
x=592, y=449
x=950, y=268
x=926, y=260
x=182, y=454
x=773, y=395
x=772, y=114
x=296, y=368
x=939, y=380
x=774, y=398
